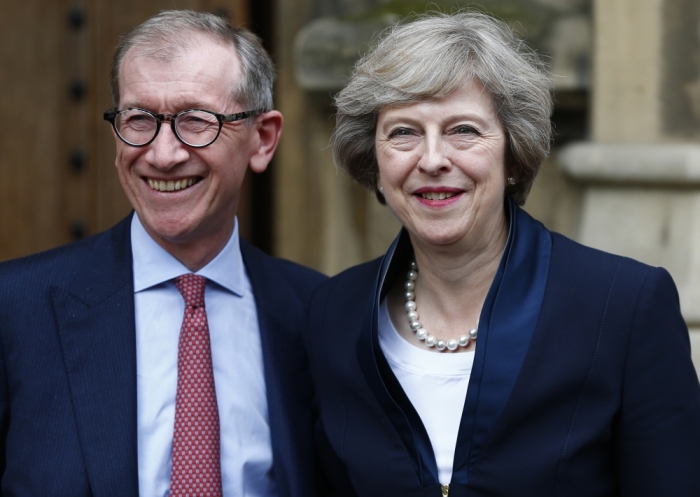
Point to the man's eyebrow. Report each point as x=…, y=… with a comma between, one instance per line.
x=175, y=106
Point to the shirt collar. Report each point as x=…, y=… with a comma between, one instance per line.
x=153, y=265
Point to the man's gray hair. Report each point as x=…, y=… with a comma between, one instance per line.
x=430, y=58
x=166, y=35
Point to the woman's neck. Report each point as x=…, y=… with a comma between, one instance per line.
x=469, y=262
x=451, y=288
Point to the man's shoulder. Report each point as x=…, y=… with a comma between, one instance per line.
x=269, y=271
x=59, y=263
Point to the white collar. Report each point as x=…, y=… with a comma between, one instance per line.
x=153, y=265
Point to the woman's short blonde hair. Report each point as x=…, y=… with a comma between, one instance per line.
x=429, y=58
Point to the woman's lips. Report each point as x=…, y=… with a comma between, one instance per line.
x=438, y=196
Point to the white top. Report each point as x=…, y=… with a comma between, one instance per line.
x=436, y=384
x=246, y=454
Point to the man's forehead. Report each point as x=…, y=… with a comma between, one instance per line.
x=171, y=49
x=185, y=74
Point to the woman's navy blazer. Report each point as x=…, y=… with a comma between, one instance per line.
x=582, y=383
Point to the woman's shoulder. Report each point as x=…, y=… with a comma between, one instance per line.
x=568, y=250
x=581, y=265
x=351, y=281
x=338, y=305
x=576, y=265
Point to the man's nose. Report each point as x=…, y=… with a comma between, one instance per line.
x=166, y=150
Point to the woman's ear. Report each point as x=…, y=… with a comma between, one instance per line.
x=379, y=191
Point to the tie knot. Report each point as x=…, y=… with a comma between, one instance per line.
x=191, y=288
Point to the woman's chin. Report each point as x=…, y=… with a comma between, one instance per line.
x=437, y=238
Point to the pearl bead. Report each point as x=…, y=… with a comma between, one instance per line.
x=422, y=333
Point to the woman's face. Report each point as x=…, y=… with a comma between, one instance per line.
x=442, y=167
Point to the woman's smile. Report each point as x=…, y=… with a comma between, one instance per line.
x=438, y=197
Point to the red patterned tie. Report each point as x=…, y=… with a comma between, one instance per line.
x=196, y=460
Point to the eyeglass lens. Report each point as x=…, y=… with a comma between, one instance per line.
x=196, y=128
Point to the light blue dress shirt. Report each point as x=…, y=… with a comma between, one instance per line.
x=246, y=453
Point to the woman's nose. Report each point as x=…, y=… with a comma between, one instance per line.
x=434, y=159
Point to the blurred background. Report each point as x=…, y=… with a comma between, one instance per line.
x=623, y=176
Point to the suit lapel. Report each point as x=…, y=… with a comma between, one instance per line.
x=287, y=381
x=95, y=317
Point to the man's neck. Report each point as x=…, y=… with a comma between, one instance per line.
x=198, y=251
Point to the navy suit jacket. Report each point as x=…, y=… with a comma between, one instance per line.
x=582, y=383
x=68, y=369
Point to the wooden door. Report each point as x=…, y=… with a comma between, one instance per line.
x=57, y=177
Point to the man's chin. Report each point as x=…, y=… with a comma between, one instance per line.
x=169, y=231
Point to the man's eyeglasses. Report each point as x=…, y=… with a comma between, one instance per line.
x=193, y=127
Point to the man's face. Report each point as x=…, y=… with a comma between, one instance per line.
x=201, y=213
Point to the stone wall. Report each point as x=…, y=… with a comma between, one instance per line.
x=639, y=177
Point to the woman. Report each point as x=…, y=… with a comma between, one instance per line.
x=484, y=355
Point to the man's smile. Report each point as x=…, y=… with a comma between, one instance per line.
x=172, y=185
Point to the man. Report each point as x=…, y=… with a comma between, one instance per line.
x=105, y=389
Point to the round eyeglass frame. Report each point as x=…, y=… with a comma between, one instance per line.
x=112, y=114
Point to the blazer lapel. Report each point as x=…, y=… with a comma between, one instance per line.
x=95, y=317
x=506, y=326
x=378, y=374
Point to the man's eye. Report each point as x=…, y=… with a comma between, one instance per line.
x=138, y=121
x=197, y=122
x=193, y=121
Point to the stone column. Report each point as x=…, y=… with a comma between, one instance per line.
x=640, y=175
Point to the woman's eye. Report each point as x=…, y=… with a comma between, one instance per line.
x=464, y=129
x=399, y=132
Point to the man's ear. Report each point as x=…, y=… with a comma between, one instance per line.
x=268, y=127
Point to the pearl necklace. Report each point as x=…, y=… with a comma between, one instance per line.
x=421, y=333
